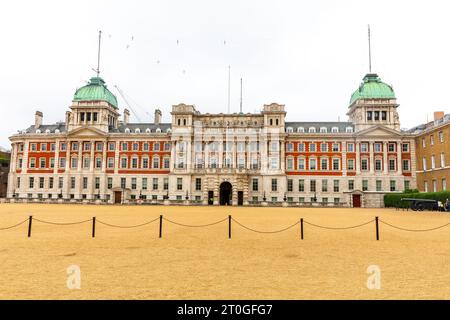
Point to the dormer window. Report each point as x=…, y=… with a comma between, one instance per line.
x=147, y=130
x=300, y=129
x=335, y=130
x=127, y=130
x=349, y=129
x=312, y=130
x=158, y=130
x=323, y=130
x=137, y=130
x=289, y=130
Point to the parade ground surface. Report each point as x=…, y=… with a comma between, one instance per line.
x=203, y=263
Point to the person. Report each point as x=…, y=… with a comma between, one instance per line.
x=447, y=205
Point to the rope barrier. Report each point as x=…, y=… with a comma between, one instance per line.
x=61, y=223
x=258, y=231
x=338, y=228
x=126, y=227
x=16, y=225
x=413, y=230
x=196, y=226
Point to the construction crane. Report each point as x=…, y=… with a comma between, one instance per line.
x=122, y=94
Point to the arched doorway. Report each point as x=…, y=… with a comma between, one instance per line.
x=225, y=193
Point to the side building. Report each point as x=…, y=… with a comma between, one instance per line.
x=96, y=155
x=433, y=153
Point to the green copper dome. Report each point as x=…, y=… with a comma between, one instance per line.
x=372, y=88
x=95, y=90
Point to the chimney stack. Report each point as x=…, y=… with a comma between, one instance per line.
x=438, y=115
x=158, y=115
x=38, y=119
x=126, y=116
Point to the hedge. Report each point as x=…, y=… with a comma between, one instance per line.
x=394, y=200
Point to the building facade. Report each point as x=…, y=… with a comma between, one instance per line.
x=96, y=155
x=433, y=153
x=4, y=171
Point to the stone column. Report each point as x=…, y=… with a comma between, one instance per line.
x=399, y=157
x=371, y=157
x=385, y=158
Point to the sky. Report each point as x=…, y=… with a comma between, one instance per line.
x=308, y=55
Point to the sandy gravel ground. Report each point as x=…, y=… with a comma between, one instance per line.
x=202, y=263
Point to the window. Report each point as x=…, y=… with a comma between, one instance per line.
x=365, y=185
x=348, y=129
x=75, y=146
x=336, y=165
x=99, y=146
x=63, y=146
x=392, y=164
x=72, y=182
x=324, y=185
x=156, y=162
x=432, y=140
x=369, y=115
x=442, y=160
x=62, y=163
x=135, y=146
x=110, y=182
x=156, y=146
x=134, y=162
x=289, y=147
x=33, y=147
x=425, y=186
x=392, y=185
x=376, y=115
x=43, y=147
x=323, y=147
x=350, y=147
x=406, y=165
x=42, y=162
x=110, y=162
x=335, y=147
x=312, y=185
x=336, y=185
x=423, y=143
x=86, y=162
x=290, y=164
x=301, y=147
x=144, y=183
x=364, y=147
x=166, y=163
x=324, y=164
x=97, y=183
x=123, y=183
x=41, y=183
x=98, y=163
x=407, y=185
x=166, y=183
x=273, y=146
x=31, y=183
x=95, y=116
x=19, y=163
x=52, y=163
x=60, y=182
x=301, y=185
x=111, y=146
x=179, y=183
x=87, y=146
x=378, y=185
x=351, y=185
x=124, y=146
x=155, y=183
x=290, y=185
x=441, y=137
x=312, y=147
x=350, y=164
x=274, y=184
x=85, y=182
x=198, y=184
x=124, y=163
x=364, y=164
x=312, y=164
x=273, y=163
x=312, y=130
x=433, y=162
x=32, y=162
x=377, y=147
x=391, y=147
x=52, y=147
x=383, y=115
x=301, y=164
x=405, y=147
x=424, y=163
x=254, y=184
x=378, y=165
x=444, y=184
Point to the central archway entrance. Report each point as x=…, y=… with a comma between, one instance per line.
x=225, y=193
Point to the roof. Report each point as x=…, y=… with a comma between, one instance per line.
x=430, y=125
x=342, y=126
x=372, y=88
x=143, y=127
x=95, y=90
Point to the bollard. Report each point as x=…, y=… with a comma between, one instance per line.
x=30, y=221
x=229, y=227
x=301, y=228
x=160, y=225
x=93, y=227
x=377, y=228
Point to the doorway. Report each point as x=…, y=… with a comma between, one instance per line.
x=225, y=193
x=117, y=197
x=210, y=198
x=240, y=198
x=356, y=201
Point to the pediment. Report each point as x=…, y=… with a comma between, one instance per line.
x=379, y=131
x=86, y=132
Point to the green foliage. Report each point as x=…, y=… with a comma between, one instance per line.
x=394, y=200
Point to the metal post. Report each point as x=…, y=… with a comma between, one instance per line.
x=160, y=225
x=301, y=228
x=93, y=227
x=229, y=227
x=30, y=221
x=377, y=228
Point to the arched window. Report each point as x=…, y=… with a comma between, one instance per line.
x=312, y=130
x=127, y=130
x=323, y=130
x=300, y=129
x=289, y=130
x=156, y=162
x=137, y=130
x=148, y=130
x=335, y=130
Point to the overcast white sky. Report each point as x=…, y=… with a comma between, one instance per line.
x=309, y=56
